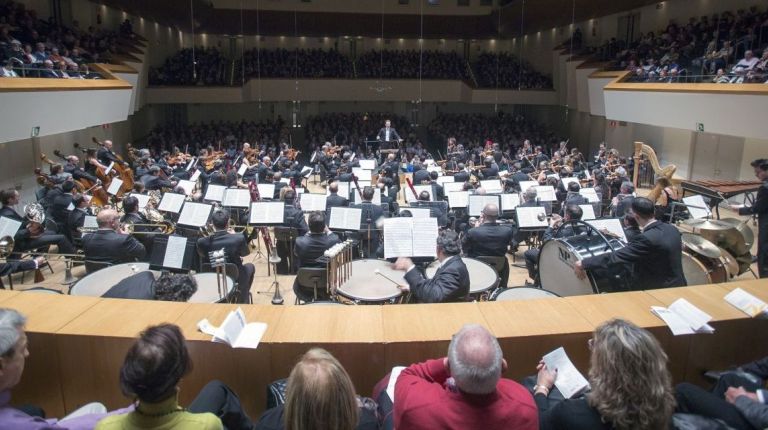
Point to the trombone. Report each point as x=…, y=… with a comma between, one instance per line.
x=6, y=250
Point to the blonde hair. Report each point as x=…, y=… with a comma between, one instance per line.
x=631, y=385
x=320, y=394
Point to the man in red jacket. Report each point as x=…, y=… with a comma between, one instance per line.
x=464, y=390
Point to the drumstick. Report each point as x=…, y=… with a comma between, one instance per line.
x=378, y=272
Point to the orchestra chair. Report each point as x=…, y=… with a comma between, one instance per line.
x=498, y=265
x=24, y=273
x=310, y=285
x=231, y=270
x=285, y=237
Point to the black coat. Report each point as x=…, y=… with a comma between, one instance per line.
x=450, y=283
x=61, y=208
x=311, y=247
x=294, y=217
x=656, y=256
x=139, y=286
x=420, y=176
x=235, y=247
x=461, y=176
x=489, y=239
x=109, y=246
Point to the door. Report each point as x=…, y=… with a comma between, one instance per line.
x=716, y=157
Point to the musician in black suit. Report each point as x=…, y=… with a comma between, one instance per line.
x=76, y=218
x=153, y=181
x=334, y=200
x=388, y=136
x=14, y=266
x=143, y=286
x=490, y=239
x=656, y=255
x=73, y=168
x=571, y=213
x=388, y=196
x=293, y=216
x=62, y=204
x=490, y=170
x=420, y=174
x=621, y=203
x=436, y=209
x=235, y=247
x=462, y=175
x=310, y=247
x=529, y=200
x=451, y=281
x=760, y=209
x=110, y=244
x=279, y=185
x=106, y=156
x=370, y=213
x=31, y=235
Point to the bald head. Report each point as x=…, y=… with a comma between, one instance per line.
x=108, y=218
x=475, y=360
x=491, y=212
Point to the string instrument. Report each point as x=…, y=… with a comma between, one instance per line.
x=253, y=189
x=292, y=154
x=209, y=162
x=99, y=196
x=357, y=186
x=410, y=185
x=331, y=150
x=42, y=179
x=125, y=172
x=103, y=176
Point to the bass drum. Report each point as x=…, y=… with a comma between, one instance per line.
x=696, y=273
x=558, y=256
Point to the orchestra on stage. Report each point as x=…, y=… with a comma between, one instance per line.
x=380, y=222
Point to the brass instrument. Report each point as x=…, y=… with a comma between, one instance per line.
x=6, y=249
x=168, y=227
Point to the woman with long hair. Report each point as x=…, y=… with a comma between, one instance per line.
x=631, y=387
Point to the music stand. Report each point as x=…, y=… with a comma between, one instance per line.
x=159, y=261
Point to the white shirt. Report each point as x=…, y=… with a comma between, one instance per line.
x=386, y=135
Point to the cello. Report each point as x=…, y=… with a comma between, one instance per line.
x=123, y=170
x=98, y=192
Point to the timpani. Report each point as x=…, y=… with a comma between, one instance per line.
x=208, y=289
x=482, y=277
x=521, y=293
x=99, y=282
x=371, y=282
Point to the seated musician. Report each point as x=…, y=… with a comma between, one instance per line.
x=58, y=175
x=462, y=175
x=343, y=174
x=620, y=176
x=517, y=176
x=438, y=189
x=134, y=216
x=310, y=247
x=73, y=168
x=451, y=281
x=631, y=228
x=62, y=204
x=279, y=185
x=390, y=168
x=235, y=247
x=143, y=286
x=573, y=197
x=370, y=213
x=436, y=210
x=621, y=203
x=294, y=217
x=388, y=195
x=334, y=199
x=572, y=212
x=106, y=156
x=76, y=218
x=110, y=244
x=31, y=235
x=656, y=255
x=529, y=200
x=153, y=181
x=491, y=239
x=490, y=170
x=420, y=174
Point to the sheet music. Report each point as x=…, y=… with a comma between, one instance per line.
x=361, y=174
x=286, y=181
x=567, y=181
x=236, y=198
x=449, y=187
x=114, y=186
x=546, y=193
x=458, y=199
x=9, y=227
x=746, y=302
x=306, y=171
x=417, y=212
x=241, y=170
x=435, y=168
x=267, y=213
x=409, y=197
x=142, y=198
x=354, y=154
x=590, y=194
x=554, y=175
x=504, y=173
x=71, y=206
x=195, y=176
x=533, y=216
x=214, y=193
x=90, y=222
x=587, y=176
x=171, y=202
x=510, y=201
x=588, y=212
x=697, y=207
x=195, y=214
x=398, y=237
x=569, y=380
x=492, y=186
x=266, y=191
x=109, y=168
x=613, y=225
x=363, y=184
x=187, y=186
x=524, y=185
x=343, y=189
x=174, y=252
x=424, y=237
x=441, y=180
x=313, y=202
x=376, y=197
x=345, y=218
x=477, y=203
x=314, y=155
x=368, y=164
x=429, y=161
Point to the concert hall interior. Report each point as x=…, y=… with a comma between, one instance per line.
x=330, y=189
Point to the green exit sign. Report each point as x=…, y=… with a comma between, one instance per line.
x=699, y=126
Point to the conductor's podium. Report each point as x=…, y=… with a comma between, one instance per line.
x=77, y=344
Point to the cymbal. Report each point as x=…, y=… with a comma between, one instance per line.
x=700, y=245
x=708, y=224
x=744, y=229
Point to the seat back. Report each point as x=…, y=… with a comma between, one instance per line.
x=287, y=234
x=311, y=282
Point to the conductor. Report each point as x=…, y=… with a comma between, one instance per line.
x=388, y=137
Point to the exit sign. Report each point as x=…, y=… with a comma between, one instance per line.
x=699, y=126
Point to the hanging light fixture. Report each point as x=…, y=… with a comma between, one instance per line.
x=380, y=88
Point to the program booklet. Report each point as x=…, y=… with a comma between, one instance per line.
x=682, y=317
x=235, y=331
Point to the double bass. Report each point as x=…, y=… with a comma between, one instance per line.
x=99, y=196
x=124, y=172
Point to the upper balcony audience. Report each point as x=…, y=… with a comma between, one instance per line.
x=507, y=71
x=411, y=64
